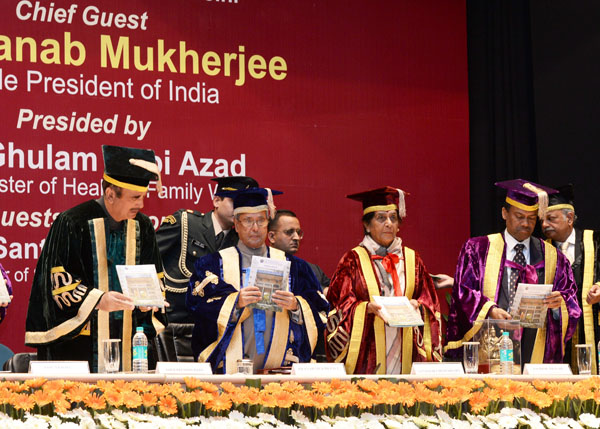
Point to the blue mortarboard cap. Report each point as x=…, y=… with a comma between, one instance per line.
x=254, y=200
x=386, y=198
x=527, y=195
x=227, y=185
x=130, y=168
x=563, y=199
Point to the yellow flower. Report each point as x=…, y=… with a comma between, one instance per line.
x=35, y=383
x=132, y=399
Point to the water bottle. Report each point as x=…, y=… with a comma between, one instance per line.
x=506, y=354
x=140, y=351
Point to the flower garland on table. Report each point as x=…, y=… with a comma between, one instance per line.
x=459, y=402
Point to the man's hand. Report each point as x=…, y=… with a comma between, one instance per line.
x=553, y=300
x=5, y=304
x=415, y=304
x=115, y=301
x=443, y=280
x=248, y=295
x=498, y=313
x=285, y=300
x=593, y=296
x=155, y=309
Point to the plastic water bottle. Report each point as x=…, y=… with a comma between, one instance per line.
x=140, y=351
x=506, y=354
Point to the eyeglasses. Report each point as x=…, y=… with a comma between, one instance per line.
x=290, y=232
x=382, y=218
x=248, y=222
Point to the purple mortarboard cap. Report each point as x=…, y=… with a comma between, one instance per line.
x=527, y=195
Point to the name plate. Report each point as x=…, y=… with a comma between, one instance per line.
x=319, y=369
x=187, y=368
x=438, y=369
x=49, y=367
x=547, y=369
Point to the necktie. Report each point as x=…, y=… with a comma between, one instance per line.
x=514, y=274
x=389, y=262
x=564, y=248
x=219, y=239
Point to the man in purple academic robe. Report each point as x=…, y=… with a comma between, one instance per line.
x=489, y=269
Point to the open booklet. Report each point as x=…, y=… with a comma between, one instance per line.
x=4, y=296
x=140, y=282
x=528, y=305
x=269, y=275
x=397, y=311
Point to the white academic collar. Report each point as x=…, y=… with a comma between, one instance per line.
x=511, y=241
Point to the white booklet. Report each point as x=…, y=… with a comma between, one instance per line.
x=397, y=311
x=140, y=282
x=528, y=305
x=269, y=275
x=4, y=296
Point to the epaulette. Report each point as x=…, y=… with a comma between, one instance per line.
x=170, y=219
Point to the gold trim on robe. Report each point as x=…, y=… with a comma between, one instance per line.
x=539, y=347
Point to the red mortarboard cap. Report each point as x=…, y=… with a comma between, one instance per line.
x=527, y=195
x=386, y=198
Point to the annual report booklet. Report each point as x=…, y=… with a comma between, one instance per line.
x=4, y=296
x=528, y=305
x=140, y=282
x=269, y=275
x=397, y=311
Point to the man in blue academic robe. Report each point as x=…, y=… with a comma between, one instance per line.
x=226, y=327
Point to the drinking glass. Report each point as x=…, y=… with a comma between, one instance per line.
x=112, y=355
x=584, y=358
x=471, y=357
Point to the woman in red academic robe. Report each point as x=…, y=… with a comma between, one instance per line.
x=381, y=265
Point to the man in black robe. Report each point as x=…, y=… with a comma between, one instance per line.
x=76, y=299
x=581, y=247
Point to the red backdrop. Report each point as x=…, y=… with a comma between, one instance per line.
x=363, y=94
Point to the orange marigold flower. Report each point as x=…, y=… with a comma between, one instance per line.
x=283, y=399
x=119, y=385
x=94, y=401
x=168, y=405
x=149, y=399
x=78, y=393
x=131, y=399
x=540, y=384
x=192, y=382
x=478, y=402
x=208, y=387
x=368, y=385
x=219, y=403
x=202, y=396
x=114, y=398
x=492, y=394
x=433, y=383
x=267, y=399
x=337, y=384
x=35, y=383
x=62, y=406
x=321, y=387
x=41, y=397
x=54, y=385
x=23, y=401
x=557, y=392
x=292, y=386
x=272, y=388
x=228, y=387
x=139, y=385
x=16, y=386
x=185, y=397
